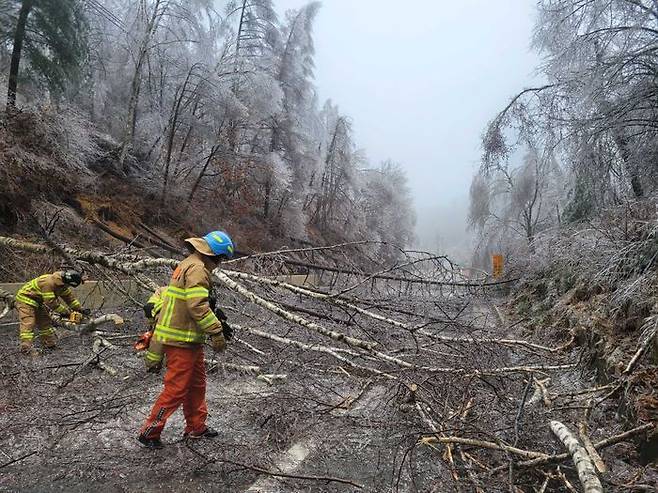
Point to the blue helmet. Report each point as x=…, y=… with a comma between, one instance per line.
x=220, y=243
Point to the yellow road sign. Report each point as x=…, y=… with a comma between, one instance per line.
x=497, y=263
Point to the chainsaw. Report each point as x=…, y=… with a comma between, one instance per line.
x=142, y=343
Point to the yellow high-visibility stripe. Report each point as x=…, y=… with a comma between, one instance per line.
x=163, y=333
x=26, y=300
x=157, y=301
x=198, y=292
x=154, y=299
x=61, y=309
x=32, y=287
x=157, y=306
x=184, y=293
x=26, y=336
x=166, y=320
x=174, y=295
x=208, y=320
x=151, y=356
x=47, y=332
x=34, y=284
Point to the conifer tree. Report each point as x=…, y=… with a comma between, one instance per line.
x=50, y=35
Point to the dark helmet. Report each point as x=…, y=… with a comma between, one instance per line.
x=72, y=277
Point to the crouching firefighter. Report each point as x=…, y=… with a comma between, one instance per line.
x=182, y=326
x=34, y=299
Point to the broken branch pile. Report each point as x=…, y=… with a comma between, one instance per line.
x=413, y=347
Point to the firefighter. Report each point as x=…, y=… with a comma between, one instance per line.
x=182, y=326
x=36, y=296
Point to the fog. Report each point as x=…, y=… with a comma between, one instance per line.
x=420, y=84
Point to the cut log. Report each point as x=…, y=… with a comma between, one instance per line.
x=580, y=457
x=589, y=446
x=94, y=323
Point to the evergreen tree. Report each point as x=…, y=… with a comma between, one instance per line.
x=49, y=34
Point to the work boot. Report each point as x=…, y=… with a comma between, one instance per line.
x=28, y=350
x=152, y=443
x=207, y=433
x=49, y=342
x=49, y=339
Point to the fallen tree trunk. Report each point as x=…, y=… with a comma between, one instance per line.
x=581, y=459
x=291, y=317
x=7, y=299
x=388, y=277
x=316, y=348
x=132, y=268
x=528, y=454
x=118, y=236
x=162, y=243
x=375, y=316
x=554, y=459
x=91, y=325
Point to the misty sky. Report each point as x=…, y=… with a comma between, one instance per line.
x=421, y=79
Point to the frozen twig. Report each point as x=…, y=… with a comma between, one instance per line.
x=647, y=338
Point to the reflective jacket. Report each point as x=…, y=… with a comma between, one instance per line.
x=186, y=318
x=46, y=290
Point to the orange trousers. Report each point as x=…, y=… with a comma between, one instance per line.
x=184, y=383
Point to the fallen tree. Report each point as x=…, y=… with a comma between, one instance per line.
x=310, y=337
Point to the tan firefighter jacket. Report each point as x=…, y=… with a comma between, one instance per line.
x=186, y=318
x=47, y=290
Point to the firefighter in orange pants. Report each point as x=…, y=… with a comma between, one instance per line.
x=38, y=294
x=184, y=322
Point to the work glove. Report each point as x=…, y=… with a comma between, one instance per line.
x=148, y=310
x=212, y=302
x=218, y=342
x=227, y=330
x=85, y=311
x=153, y=366
x=219, y=313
